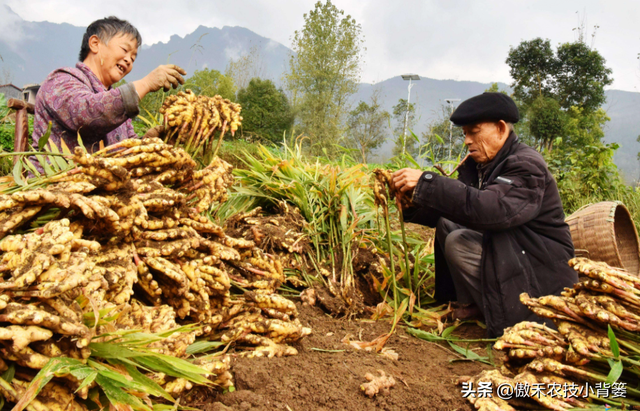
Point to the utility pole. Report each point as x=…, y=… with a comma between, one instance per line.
x=409, y=77
x=450, y=101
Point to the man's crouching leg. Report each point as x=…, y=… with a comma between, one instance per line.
x=463, y=251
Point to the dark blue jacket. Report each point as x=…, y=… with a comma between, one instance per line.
x=526, y=243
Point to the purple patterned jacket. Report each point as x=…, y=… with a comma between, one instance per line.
x=74, y=100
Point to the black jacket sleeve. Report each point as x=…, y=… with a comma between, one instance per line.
x=513, y=200
x=421, y=215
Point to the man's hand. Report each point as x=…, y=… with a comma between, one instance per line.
x=166, y=76
x=405, y=180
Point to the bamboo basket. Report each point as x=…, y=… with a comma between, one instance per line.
x=605, y=232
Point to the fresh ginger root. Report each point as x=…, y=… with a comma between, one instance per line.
x=377, y=384
x=23, y=336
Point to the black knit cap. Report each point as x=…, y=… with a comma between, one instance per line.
x=486, y=107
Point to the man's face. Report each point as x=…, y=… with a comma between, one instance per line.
x=485, y=139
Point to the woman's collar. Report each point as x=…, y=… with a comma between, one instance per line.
x=93, y=78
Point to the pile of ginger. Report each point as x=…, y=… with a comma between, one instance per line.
x=128, y=239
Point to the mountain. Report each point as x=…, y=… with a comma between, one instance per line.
x=31, y=50
x=37, y=48
x=212, y=48
x=428, y=95
x=622, y=107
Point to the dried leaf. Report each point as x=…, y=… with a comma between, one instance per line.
x=390, y=354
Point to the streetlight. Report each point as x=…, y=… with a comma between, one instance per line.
x=450, y=101
x=409, y=77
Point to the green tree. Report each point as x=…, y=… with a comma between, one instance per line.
x=208, y=82
x=547, y=121
x=560, y=95
x=532, y=65
x=585, y=128
x=574, y=75
x=585, y=174
x=494, y=88
x=367, y=126
x=404, y=144
x=581, y=77
x=581, y=163
x=554, y=88
x=324, y=70
x=442, y=141
x=521, y=128
x=265, y=110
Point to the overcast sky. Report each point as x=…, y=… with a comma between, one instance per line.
x=443, y=39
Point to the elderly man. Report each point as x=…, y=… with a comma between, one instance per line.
x=500, y=227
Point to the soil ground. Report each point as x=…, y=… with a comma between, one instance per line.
x=327, y=373
x=322, y=380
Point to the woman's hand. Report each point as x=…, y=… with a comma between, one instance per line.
x=156, y=131
x=166, y=76
x=406, y=180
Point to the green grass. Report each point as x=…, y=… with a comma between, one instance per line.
x=625, y=194
x=116, y=367
x=336, y=199
x=234, y=152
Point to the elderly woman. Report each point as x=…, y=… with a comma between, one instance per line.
x=82, y=100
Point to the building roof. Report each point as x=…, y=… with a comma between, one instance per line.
x=28, y=86
x=10, y=85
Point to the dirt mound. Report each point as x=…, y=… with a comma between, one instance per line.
x=283, y=232
x=327, y=374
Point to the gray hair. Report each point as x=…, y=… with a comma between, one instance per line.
x=510, y=127
x=106, y=29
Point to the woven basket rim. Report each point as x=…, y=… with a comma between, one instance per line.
x=574, y=214
x=608, y=217
x=614, y=205
x=612, y=227
x=633, y=225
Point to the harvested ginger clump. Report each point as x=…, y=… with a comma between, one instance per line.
x=377, y=384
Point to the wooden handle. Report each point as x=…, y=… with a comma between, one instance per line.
x=21, y=137
x=16, y=104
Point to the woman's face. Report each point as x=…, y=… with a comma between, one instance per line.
x=116, y=58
